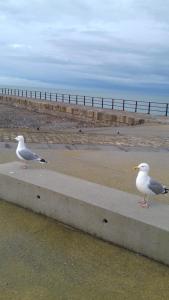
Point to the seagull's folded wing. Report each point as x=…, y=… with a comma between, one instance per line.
x=28, y=154
x=155, y=186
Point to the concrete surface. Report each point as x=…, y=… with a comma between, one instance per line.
x=42, y=259
x=105, y=212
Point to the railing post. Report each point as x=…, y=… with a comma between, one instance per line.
x=62, y=97
x=40, y=95
x=30, y=94
x=69, y=98
x=123, y=105
x=22, y=93
x=8, y=91
x=45, y=95
x=102, y=103
x=136, y=106
x=50, y=96
x=35, y=94
x=112, y=104
x=166, y=111
x=11, y=91
x=149, y=107
x=56, y=98
x=76, y=99
x=84, y=101
x=18, y=93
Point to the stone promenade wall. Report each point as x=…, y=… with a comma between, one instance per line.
x=100, y=117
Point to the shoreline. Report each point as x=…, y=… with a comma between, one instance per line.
x=125, y=104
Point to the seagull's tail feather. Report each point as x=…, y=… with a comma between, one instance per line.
x=166, y=190
x=42, y=161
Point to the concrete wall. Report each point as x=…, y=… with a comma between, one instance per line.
x=96, y=116
x=101, y=211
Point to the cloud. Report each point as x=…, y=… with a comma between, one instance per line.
x=121, y=43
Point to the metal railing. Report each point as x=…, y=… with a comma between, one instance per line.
x=155, y=108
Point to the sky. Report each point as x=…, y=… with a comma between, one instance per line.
x=120, y=46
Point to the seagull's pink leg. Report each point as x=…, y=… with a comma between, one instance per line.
x=144, y=203
x=143, y=200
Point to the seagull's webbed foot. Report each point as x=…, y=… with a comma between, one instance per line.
x=143, y=203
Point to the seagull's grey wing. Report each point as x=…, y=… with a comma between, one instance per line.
x=156, y=187
x=28, y=154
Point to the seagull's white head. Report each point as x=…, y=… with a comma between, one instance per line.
x=19, y=138
x=144, y=167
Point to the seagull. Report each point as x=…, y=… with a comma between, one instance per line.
x=26, y=154
x=147, y=185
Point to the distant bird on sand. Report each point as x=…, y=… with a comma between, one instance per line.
x=147, y=185
x=26, y=154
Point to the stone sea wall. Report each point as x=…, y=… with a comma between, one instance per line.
x=96, y=116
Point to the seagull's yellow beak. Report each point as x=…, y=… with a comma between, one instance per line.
x=135, y=168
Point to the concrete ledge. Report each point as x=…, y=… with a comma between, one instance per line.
x=101, y=211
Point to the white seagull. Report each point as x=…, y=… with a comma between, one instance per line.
x=147, y=185
x=26, y=154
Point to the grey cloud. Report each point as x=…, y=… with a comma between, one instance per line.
x=154, y=9
x=124, y=42
x=43, y=11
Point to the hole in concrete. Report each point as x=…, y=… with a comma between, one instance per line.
x=105, y=221
x=38, y=196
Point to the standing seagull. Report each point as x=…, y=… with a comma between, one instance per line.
x=147, y=185
x=26, y=154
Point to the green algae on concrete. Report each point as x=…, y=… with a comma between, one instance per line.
x=42, y=259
